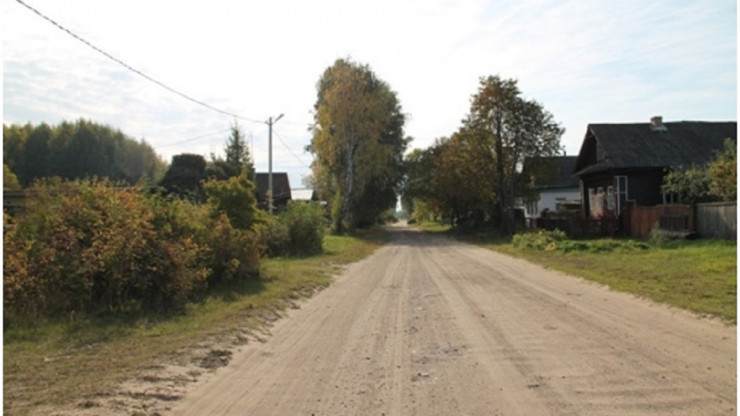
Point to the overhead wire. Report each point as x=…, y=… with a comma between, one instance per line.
x=194, y=138
x=134, y=70
x=289, y=150
x=160, y=84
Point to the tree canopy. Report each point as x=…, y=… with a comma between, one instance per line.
x=358, y=143
x=474, y=176
x=715, y=181
x=237, y=161
x=76, y=150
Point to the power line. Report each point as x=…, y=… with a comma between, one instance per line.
x=193, y=138
x=134, y=70
x=290, y=151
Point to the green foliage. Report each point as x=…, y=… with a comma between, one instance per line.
x=717, y=180
x=690, y=184
x=235, y=198
x=85, y=248
x=184, y=177
x=722, y=172
x=358, y=143
x=473, y=176
x=509, y=129
x=538, y=240
x=238, y=160
x=10, y=181
x=543, y=240
x=82, y=149
x=297, y=231
x=698, y=275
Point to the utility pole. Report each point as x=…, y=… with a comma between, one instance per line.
x=270, y=122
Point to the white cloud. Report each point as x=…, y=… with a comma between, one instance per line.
x=594, y=61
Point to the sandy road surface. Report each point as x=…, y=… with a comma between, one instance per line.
x=429, y=326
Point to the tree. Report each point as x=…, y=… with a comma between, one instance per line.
x=716, y=180
x=512, y=129
x=722, y=173
x=75, y=150
x=10, y=181
x=238, y=160
x=234, y=197
x=358, y=143
x=185, y=175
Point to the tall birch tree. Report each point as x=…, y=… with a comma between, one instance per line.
x=358, y=144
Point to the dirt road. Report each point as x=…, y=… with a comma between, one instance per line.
x=430, y=326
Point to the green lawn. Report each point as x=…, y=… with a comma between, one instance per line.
x=697, y=275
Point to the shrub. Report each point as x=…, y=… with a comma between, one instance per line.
x=273, y=237
x=557, y=241
x=224, y=252
x=299, y=230
x=540, y=239
x=236, y=198
x=305, y=224
x=86, y=247
x=231, y=253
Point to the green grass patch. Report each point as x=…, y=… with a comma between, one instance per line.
x=67, y=361
x=697, y=275
x=434, y=227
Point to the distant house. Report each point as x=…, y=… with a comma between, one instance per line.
x=303, y=194
x=281, y=193
x=627, y=162
x=555, y=187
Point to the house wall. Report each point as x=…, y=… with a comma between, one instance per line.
x=599, y=201
x=549, y=198
x=594, y=196
x=644, y=188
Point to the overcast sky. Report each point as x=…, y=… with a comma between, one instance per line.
x=586, y=61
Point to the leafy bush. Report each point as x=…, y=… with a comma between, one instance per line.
x=89, y=248
x=557, y=241
x=299, y=230
x=85, y=247
x=231, y=253
x=236, y=198
x=540, y=239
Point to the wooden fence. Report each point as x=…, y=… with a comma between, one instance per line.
x=577, y=227
x=711, y=220
x=717, y=220
x=676, y=219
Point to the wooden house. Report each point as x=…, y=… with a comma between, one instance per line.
x=553, y=184
x=627, y=162
x=281, y=193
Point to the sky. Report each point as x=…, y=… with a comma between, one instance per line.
x=585, y=61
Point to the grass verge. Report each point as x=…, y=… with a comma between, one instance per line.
x=696, y=275
x=66, y=362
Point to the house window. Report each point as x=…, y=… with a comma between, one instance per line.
x=532, y=209
x=591, y=199
x=610, y=198
x=671, y=198
x=621, y=193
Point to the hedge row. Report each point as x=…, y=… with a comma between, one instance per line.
x=86, y=247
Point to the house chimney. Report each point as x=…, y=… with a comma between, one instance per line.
x=656, y=123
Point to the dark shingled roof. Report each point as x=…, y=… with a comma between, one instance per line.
x=641, y=145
